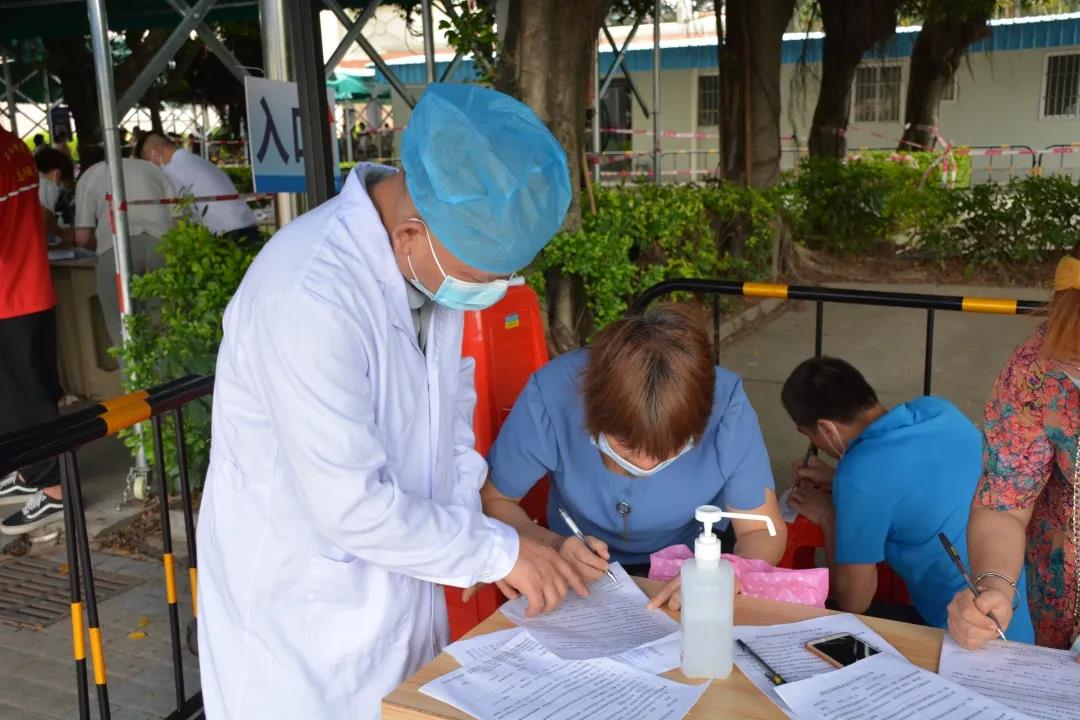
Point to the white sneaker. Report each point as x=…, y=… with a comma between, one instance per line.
x=14, y=490
x=39, y=510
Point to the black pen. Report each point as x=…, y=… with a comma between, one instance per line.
x=955, y=557
x=774, y=677
x=812, y=450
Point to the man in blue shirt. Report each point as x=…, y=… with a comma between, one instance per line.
x=903, y=476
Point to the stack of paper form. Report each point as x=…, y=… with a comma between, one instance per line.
x=1039, y=682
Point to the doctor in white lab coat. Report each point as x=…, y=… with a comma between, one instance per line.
x=343, y=487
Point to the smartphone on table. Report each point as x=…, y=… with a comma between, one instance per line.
x=841, y=650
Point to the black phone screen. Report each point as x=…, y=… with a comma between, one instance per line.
x=846, y=649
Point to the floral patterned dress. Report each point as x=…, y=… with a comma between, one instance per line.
x=1031, y=429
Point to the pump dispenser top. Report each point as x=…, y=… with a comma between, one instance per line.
x=707, y=547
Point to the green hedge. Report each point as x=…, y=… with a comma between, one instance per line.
x=643, y=234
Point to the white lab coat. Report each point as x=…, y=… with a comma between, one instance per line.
x=343, y=484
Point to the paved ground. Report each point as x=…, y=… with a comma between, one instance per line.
x=886, y=344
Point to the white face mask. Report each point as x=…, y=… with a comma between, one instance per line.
x=601, y=444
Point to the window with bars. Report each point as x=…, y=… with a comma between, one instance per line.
x=708, y=88
x=877, y=93
x=1061, y=90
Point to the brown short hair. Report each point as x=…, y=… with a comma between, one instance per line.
x=649, y=381
x=1062, y=340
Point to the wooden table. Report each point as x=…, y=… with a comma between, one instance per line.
x=735, y=697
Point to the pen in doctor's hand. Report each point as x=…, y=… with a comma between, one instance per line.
x=577, y=533
x=955, y=557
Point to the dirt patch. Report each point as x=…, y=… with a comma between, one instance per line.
x=814, y=268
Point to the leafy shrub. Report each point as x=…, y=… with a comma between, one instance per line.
x=1028, y=220
x=641, y=235
x=182, y=331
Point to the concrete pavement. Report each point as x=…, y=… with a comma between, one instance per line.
x=886, y=345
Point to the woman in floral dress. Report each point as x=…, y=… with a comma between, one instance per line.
x=1025, y=508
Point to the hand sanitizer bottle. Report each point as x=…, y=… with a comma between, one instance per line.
x=708, y=600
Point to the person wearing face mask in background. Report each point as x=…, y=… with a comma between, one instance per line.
x=902, y=476
x=1025, y=518
x=635, y=432
x=193, y=175
x=343, y=487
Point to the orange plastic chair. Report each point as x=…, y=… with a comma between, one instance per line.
x=804, y=538
x=507, y=342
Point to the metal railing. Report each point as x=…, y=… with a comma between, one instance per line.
x=62, y=438
x=822, y=295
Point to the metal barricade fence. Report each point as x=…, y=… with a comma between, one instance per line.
x=1060, y=160
x=822, y=295
x=998, y=163
x=62, y=438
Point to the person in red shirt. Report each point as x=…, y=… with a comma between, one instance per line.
x=29, y=380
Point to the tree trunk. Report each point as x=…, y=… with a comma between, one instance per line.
x=546, y=62
x=70, y=60
x=938, y=50
x=750, y=90
x=851, y=28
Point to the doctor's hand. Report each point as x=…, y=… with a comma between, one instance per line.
x=588, y=565
x=969, y=623
x=543, y=576
x=671, y=594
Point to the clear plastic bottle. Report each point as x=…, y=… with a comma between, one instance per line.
x=708, y=600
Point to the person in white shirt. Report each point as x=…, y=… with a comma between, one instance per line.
x=191, y=174
x=146, y=225
x=55, y=170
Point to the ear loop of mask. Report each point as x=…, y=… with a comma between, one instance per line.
x=839, y=440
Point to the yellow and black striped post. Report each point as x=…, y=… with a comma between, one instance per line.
x=185, y=497
x=168, y=563
x=78, y=639
x=73, y=498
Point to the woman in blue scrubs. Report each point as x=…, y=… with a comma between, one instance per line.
x=635, y=432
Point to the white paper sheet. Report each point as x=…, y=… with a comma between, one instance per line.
x=1041, y=682
x=784, y=648
x=523, y=681
x=656, y=657
x=613, y=619
x=885, y=687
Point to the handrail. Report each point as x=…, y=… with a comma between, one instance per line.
x=822, y=295
x=63, y=437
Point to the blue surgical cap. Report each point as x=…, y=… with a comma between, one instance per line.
x=486, y=175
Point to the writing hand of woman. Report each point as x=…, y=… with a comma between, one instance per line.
x=969, y=622
x=588, y=565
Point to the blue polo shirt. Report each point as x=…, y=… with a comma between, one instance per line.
x=545, y=434
x=910, y=475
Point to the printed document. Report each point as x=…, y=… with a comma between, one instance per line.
x=523, y=681
x=1040, y=682
x=656, y=657
x=784, y=648
x=613, y=619
x=885, y=687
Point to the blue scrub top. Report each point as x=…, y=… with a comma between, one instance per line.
x=910, y=475
x=545, y=434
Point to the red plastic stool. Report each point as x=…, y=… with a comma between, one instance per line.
x=804, y=538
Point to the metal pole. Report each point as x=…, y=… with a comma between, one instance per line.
x=103, y=70
x=429, y=43
x=12, y=110
x=48, y=103
x=656, y=92
x=928, y=362
x=348, y=133
x=318, y=151
x=596, y=114
x=205, y=130
x=274, y=27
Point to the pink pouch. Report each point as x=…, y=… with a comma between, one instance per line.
x=756, y=578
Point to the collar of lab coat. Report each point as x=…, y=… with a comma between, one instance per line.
x=362, y=219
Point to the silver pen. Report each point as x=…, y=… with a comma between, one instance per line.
x=577, y=533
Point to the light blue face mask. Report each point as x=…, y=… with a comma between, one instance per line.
x=601, y=443
x=458, y=294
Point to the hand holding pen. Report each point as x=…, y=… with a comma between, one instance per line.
x=975, y=591
x=596, y=557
